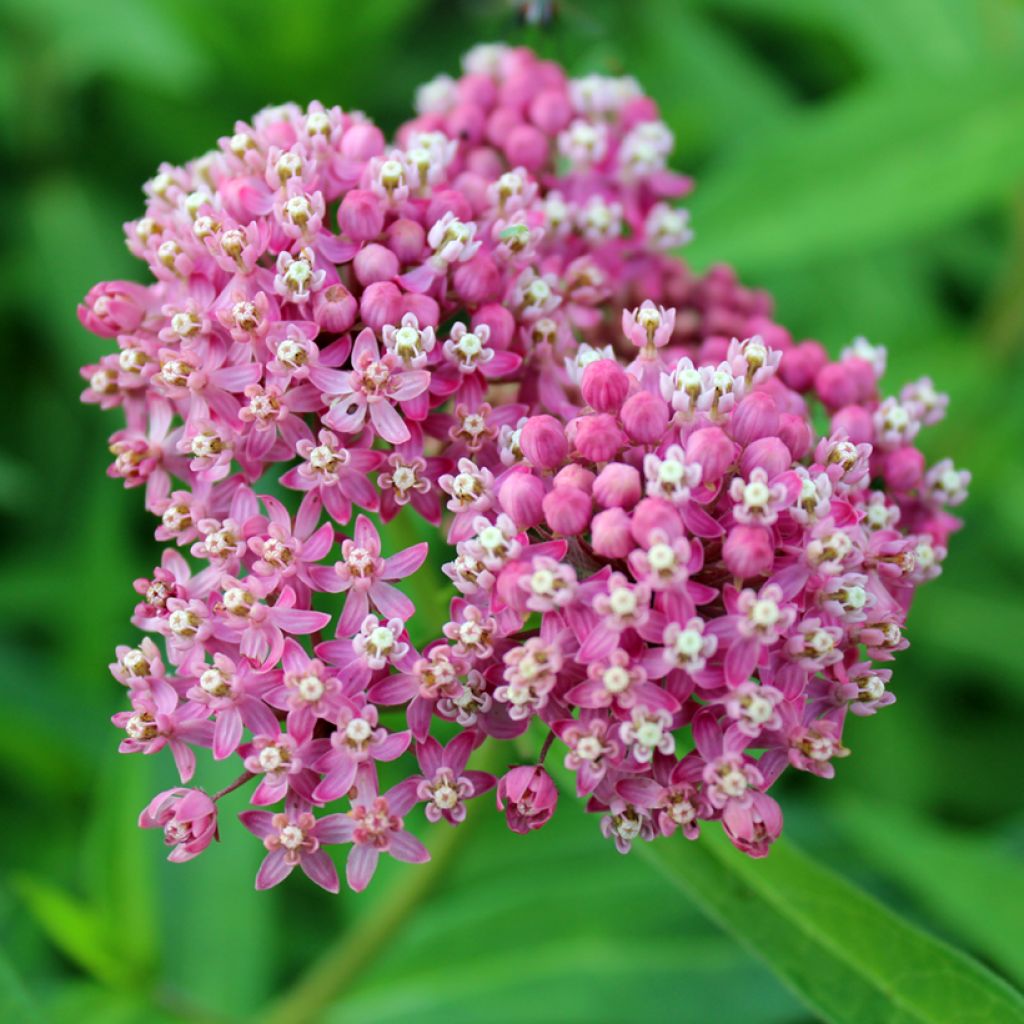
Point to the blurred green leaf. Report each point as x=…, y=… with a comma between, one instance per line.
x=972, y=885
x=15, y=1003
x=519, y=930
x=847, y=956
x=77, y=929
x=147, y=46
x=882, y=163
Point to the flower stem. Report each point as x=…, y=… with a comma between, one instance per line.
x=240, y=781
x=342, y=963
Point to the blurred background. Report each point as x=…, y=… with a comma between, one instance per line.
x=864, y=162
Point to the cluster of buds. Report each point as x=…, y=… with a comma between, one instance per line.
x=657, y=562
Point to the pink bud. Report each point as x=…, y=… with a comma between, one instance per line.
x=485, y=163
x=712, y=451
x=801, y=363
x=531, y=797
x=655, y=514
x=713, y=349
x=423, y=307
x=406, y=239
x=375, y=263
x=448, y=201
x=856, y=423
x=567, y=510
x=903, y=468
x=380, y=304
x=617, y=485
x=797, y=434
x=113, y=307
x=466, y=122
x=527, y=147
x=844, y=383
x=334, y=308
x=520, y=495
x=478, y=90
x=611, y=533
x=543, y=442
x=501, y=322
x=575, y=475
x=767, y=453
x=500, y=124
x=645, y=417
x=597, y=437
x=605, y=385
x=478, y=280
x=748, y=551
x=362, y=141
x=551, y=110
x=361, y=215
x=755, y=417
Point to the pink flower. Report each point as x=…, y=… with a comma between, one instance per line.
x=374, y=826
x=372, y=388
x=362, y=575
x=294, y=838
x=188, y=818
x=530, y=796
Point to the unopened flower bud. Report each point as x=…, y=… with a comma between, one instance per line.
x=755, y=417
x=575, y=475
x=611, y=533
x=543, y=442
x=748, y=551
x=567, y=510
x=653, y=514
x=335, y=308
x=903, y=468
x=645, y=417
x=361, y=215
x=406, y=239
x=521, y=494
x=767, y=453
x=375, y=263
x=598, y=437
x=856, y=423
x=801, y=364
x=605, y=385
x=712, y=451
x=617, y=485
x=795, y=431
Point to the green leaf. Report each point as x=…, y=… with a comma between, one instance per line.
x=15, y=1002
x=76, y=928
x=892, y=159
x=847, y=956
x=556, y=926
x=969, y=883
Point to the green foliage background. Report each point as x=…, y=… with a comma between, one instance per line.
x=864, y=161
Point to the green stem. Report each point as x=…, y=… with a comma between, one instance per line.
x=342, y=962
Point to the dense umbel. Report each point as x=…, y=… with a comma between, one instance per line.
x=682, y=541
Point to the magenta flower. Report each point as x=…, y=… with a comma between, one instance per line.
x=374, y=826
x=188, y=818
x=292, y=839
x=527, y=796
x=371, y=390
x=362, y=575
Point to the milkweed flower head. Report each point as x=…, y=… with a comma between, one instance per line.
x=653, y=555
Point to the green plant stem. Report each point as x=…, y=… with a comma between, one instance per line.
x=341, y=963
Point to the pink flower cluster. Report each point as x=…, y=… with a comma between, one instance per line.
x=658, y=558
